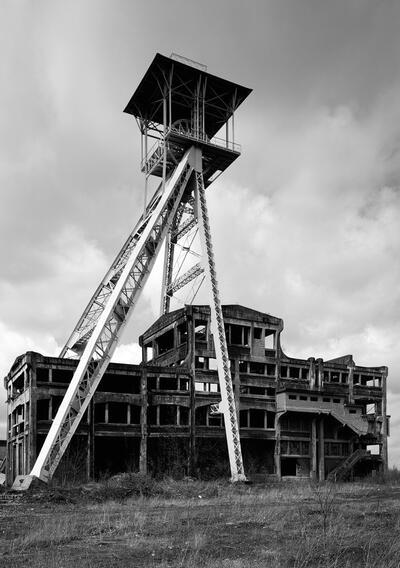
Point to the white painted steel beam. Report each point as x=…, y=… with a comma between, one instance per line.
x=112, y=320
x=227, y=405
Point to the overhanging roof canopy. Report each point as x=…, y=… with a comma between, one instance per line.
x=221, y=97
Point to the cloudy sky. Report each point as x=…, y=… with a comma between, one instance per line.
x=305, y=223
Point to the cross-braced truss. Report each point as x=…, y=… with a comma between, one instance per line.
x=107, y=316
x=175, y=214
x=183, y=108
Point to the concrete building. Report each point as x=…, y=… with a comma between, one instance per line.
x=304, y=418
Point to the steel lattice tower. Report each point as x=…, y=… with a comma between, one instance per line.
x=182, y=107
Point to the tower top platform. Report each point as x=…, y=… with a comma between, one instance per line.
x=181, y=82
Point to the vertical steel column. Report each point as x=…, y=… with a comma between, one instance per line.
x=164, y=170
x=146, y=175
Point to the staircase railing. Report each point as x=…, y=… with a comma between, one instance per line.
x=347, y=464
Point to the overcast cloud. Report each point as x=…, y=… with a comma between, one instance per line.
x=305, y=223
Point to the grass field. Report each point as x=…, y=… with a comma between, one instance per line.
x=133, y=522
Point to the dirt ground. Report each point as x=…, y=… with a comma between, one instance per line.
x=205, y=525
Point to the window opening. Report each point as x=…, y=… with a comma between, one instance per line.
x=117, y=413
x=42, y=409
x=168, y=415
x=269, y=340
x=165, y=342
x=257, y=368
x=257, y=332
x=135, y=414
x=182, y=333
x=271, y=370
x=168, y=383
x=200, y=330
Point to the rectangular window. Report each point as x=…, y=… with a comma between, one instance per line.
x=238, y=334
x=257, y=332
x=269, y=340
x=168, y=383
x=100, y=412
x=168, y=415
x=214, y=419
x=165, y=342
x=182, y=333
x=152, y=383
x=200, y=330
x=200, y=362
x=135, y=414
x=183, y=416
x=257, y=368
x=292, y=397
x=149, y=352
x=42, y=409
x=271, y=370
x=42, y=375
x=256, y=418
x=117, y=412
x=62, y=375
x=257, y=390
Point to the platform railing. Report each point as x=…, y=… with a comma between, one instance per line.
x=155, y=154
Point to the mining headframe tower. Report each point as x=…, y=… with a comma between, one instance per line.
x=204, y=368
x=183, y=107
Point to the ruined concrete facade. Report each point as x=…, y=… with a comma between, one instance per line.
x=304, y=418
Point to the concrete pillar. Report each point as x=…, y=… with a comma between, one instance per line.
x=143, y=421
x=384, y=423
x=351, y=382
x=321, y=450
x=277, y=455
x=32, y=450
x=320, y=374
x=314, y=463
x=311, y=373
x=192, y=465
x=90, y=442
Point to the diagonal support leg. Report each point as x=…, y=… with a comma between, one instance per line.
x=114, y=316
x=227, y=405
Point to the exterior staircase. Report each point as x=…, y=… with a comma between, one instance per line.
x=342, y=469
